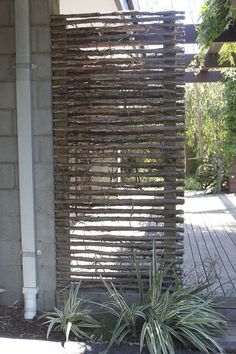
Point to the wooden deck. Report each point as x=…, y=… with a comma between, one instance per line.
x=210, y=240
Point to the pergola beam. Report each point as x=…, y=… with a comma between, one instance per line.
x=203, y=76
x=212, y=56
x=227, y=36
x=211, y=61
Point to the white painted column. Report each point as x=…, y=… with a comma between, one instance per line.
x=124, y=5
x=25, y=155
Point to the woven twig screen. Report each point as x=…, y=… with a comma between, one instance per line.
x=118, y=143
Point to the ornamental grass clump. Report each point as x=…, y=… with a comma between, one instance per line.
x=163, y=318
x=73, y=317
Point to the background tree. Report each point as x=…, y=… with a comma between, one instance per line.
x=229, y=95
x=206, y=128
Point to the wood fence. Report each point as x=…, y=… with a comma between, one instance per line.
x=118, y=88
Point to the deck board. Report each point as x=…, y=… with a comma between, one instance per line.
x=210, y=240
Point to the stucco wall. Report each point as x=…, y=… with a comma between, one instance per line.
x=10, y=246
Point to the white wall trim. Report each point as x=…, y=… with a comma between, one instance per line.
x=25, y=147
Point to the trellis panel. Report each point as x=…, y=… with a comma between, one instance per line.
x=118, y=86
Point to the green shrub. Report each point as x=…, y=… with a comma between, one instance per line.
x=191, y=184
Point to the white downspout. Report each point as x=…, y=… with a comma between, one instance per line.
x=25, y=155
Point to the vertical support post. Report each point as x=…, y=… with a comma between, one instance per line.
x=170, y=180
x=61, y=140
x=25, y=155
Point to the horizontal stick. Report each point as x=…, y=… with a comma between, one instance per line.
x=118, y=218
x=114, y=94
x=165, y=14
x=76, y=60
x=108, y=44
x=75, y=51
x=116, y=261
x=75, y=154
x=119, y=115
x=125, y=192
x=123, y=202
x=129, y=138
x=158, y=238
x=115, y=163
x=75, y=35
x=62, y=85
x=87, y=285
x=141, y=73
x=106, y=20
x=125, y=146
x=139, y=186
x=111, y=96
x=117, y=275
x=117, y=40
x=95, y=249
x=124, y=29
x=117, y=267
x=115, y=129
x=115, y=174
x=100, y=227
x=90, y=144
x=89, y=68
x=132, y=211
x=76, y=111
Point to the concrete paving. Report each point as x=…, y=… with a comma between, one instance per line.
x=27, y=346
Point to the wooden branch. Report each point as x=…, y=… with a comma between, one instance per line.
x=118, y=143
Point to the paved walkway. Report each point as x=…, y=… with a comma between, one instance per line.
x=26, y=346
x=210, y=240
x=29, y=346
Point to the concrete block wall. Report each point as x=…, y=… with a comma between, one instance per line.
x=43, y=148
x=10, y=246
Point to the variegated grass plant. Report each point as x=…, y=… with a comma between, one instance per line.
x=74, y=317
x=161, y=318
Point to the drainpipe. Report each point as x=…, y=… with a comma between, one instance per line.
x=25, y=155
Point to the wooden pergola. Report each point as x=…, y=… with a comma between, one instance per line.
x=211, y=72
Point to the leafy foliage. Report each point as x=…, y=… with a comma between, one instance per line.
x=72, y=318
x=206, y=128
x=227, y=54
x=230, y=112
x=206, y=174
x=160, y=318
x=216, y=16
x=191, y=184
x=205, y=109
x=215, y=19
